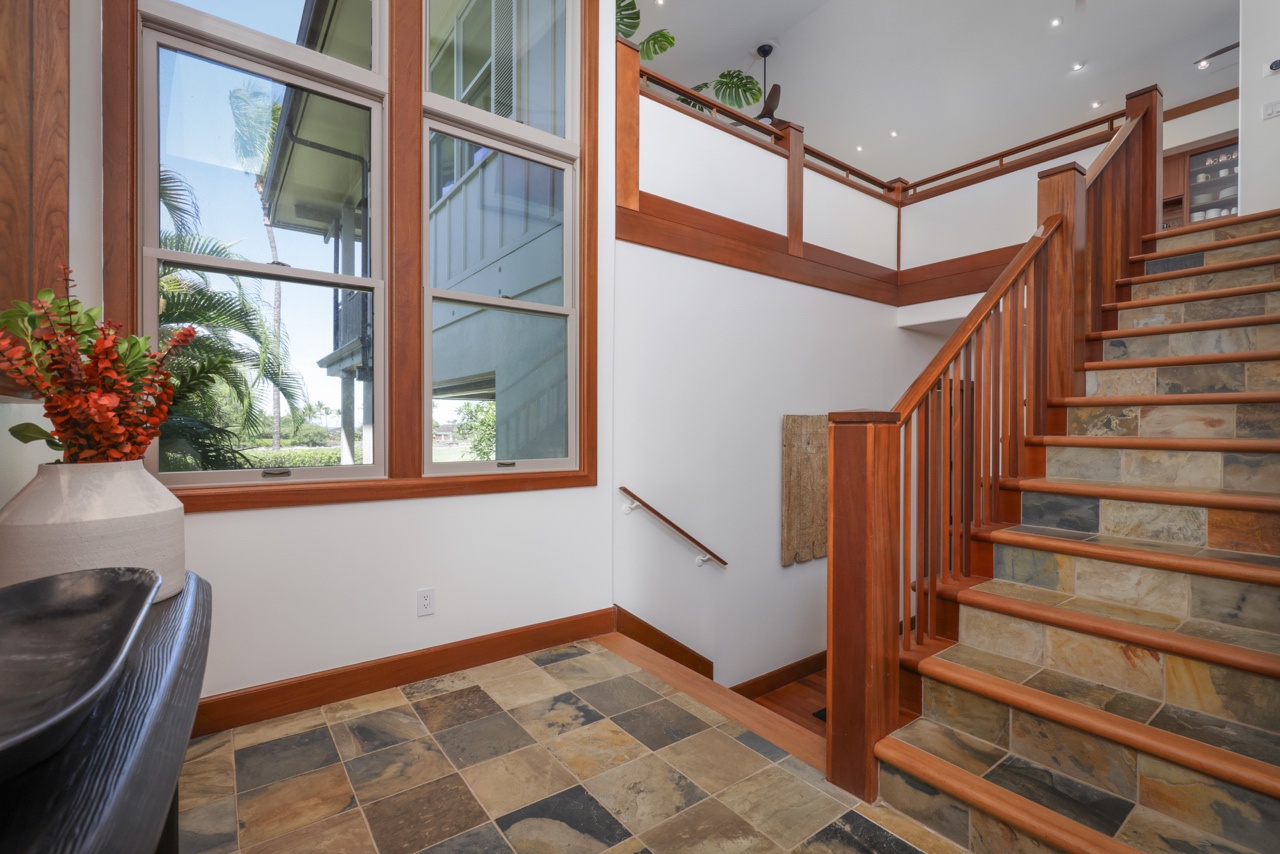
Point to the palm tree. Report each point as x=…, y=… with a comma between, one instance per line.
x=256, y=116
x=216, y=401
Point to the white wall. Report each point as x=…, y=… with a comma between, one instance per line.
x=845, y=220
x=691, y=162
x=709, y=359
x=1259, y=140
x=1202, y=124
x=988, y=215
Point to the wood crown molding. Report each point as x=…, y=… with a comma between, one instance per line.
x=661, y=642
x=262, y=702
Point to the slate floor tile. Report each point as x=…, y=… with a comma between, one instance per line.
x=359, y=736
x=517, y=779
x=659, y=724
x=423, y=816
x=207, y=745
x=701, y=710
x=1255, y=743
x=758, y=743
x=209, y=828
x=1113, y=700
x=557, y=653
x=293, y=803
x=485, y=839
x=207, y=778
x=782, y=806
x=394, y=769
x=270, y=730
x=487, y=738
x=501, y=669
x=456, y=708
x=436, y=686
x=571, y=822
x=708, y=828
x=284, y=757
x=595, y=748
x=587, y=670
x=346, y=833
x=347, y=709
x=644, y=793
x=553, y=717
x=713, y=760
x=856, y=834
x=618, y=695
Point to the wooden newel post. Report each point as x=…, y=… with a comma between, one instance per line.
x=1147, y=193
x=1070, y=302
x=793, y=141
x=862, y=594
x=628, y=125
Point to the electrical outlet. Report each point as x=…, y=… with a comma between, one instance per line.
x=426, y=601
x=1271, y=111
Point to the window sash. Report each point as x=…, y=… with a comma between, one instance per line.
x=570, y=280
x=151, y=254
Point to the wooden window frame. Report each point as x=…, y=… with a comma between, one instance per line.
x=406, y=415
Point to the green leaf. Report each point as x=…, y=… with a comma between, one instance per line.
x=657, y=42
x=628, y=18
x=736, y=88
x=701, y=87
x=28, y=433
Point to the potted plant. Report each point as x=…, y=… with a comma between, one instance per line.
x=106, y=396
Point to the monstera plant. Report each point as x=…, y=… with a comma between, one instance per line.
x=733, y=88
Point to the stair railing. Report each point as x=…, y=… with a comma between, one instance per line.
x=909, y=488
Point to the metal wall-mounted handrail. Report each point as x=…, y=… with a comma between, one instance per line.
x=637, y=501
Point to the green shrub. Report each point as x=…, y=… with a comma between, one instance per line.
x=288, y=458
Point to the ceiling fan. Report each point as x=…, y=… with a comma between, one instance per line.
x=767, y=115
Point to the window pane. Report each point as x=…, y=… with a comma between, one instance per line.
x=514, y=50
x=496, y=223
x=258, y=170
x=499, y=384
x=263, y=344
x=338, y=28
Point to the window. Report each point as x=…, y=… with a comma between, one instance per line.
x=501, y=275
x=267, y=138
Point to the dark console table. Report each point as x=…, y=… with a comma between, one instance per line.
x=113, y=787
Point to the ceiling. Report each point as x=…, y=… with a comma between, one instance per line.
x=957, y=79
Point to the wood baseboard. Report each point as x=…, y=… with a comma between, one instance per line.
x=261, y=702
x=785, y=675
x=659, y=641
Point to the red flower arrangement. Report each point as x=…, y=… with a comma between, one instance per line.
x=106, y=394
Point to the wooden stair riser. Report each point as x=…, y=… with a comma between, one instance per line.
x=1203, y=255
x=1173, y=380
x=1180, y=596
x=1244, y=305
x=1225, y=231
x=1238, y=339
x=1177, y=421
x=1214, y=689
x=1251, y=531
x=1173, y=468
x=1251, y=275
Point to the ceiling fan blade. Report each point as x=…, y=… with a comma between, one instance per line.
x=771, y=102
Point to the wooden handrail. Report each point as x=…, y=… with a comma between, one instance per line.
x=1103, y=159
x=672, y=525
x=1001, y=156
x=648, y=76
x=950, y=350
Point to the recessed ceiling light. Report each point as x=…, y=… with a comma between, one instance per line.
x=1096, y=104
x=1203, y=64
x=1076, y=66
x=1056, y=22
x=859, y=147
x=893, y=133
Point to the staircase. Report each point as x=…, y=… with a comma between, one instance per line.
x=1116, y=682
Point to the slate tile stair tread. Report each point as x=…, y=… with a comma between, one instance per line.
x=1146, y=545
x=1198, y=726
x=1029, y=484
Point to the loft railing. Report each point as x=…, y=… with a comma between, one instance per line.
x=913, y=490
x=705, y=555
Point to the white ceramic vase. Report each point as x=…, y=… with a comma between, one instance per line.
x=87, y=515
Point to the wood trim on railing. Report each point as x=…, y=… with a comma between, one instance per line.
x=673, y=227
x=1202, y=104
x=672, y=525
x=916, y=393
x=793, y=141
x=627, y=141
x=1211, y=224
x=711, y=105
x=970, y=274
x=1072, y=306
x=1104, y=159
x=1146, y=201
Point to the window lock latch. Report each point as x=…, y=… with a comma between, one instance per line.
x=277, y=472
x=506, y=465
